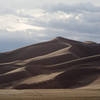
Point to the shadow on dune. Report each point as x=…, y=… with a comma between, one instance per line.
x=69, y=79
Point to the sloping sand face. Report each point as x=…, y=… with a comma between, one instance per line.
x=56, y=64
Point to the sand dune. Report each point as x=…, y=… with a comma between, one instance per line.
x=58, y=63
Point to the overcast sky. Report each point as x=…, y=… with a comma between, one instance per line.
x=24, y=22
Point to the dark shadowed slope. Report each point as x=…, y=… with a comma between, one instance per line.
x=59, y=63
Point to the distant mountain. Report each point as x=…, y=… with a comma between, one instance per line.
x=58, y=63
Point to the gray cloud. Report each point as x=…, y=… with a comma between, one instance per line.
x=85, y=18
x=22, y=26
x=76, y=8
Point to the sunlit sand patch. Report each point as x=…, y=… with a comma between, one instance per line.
x=41, y=78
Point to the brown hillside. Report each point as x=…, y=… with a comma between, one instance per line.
x=59, y=63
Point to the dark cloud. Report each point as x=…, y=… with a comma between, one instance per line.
x=76, y=8
x=85, y=18
x=77, y=21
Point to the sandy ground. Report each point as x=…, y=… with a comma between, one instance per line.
x=50, y=94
